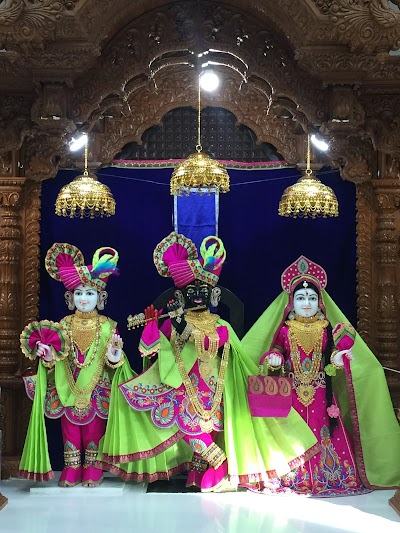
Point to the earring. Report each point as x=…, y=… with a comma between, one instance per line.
x=69, y=300
x=320, y=315
x=292, y=315
x=102, y=300
x=179, y=297
x=215, y=296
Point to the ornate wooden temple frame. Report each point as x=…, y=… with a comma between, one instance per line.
x=114, y=69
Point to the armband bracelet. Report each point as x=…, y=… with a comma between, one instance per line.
x=184, y=336
x=117, y=364
x=338, y=367
x=48, y=364
x=274, y=368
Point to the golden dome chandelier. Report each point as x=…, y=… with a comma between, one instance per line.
x=85, y=196
x=199, y=171
x=308, y=197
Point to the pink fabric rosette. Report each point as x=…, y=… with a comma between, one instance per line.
x=333, y=411
x=46, y=332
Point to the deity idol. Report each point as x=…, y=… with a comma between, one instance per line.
x=189, y=410
x=77, y=361
x=339, y=389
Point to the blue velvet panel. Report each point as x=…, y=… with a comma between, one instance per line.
x=259, y=243
x=196, y=215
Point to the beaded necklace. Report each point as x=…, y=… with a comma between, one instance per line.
x=308, y=336
x=205, y=416
x=204, y=323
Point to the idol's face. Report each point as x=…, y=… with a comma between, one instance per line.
x=197, y=294
x=85, y=298
x=305, y=302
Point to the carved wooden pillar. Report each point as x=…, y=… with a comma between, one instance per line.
x=10, y=309
x=387, y=257
x=365, y=270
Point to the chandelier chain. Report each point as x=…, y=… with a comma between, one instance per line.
x=308, y=170
x=85, y=170
x=199, y=147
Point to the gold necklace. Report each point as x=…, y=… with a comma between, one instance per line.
x=205, y=356
x=199, y=342
x=203, y=321
x=81, y=393
x=307, y=319
x=205, y=416
x=307, y=334
x=82, y=333
x=305, y=391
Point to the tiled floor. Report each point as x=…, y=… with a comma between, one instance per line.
x=115, y=507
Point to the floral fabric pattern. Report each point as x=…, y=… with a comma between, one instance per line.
x=53, y=408
x=331, y=472
x=170, y=406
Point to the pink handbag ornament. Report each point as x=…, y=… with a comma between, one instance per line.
x=269, y=396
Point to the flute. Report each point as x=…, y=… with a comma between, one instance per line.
x=135, y=321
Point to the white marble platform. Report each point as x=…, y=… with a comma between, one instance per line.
x=110, y=486
x=70, y=511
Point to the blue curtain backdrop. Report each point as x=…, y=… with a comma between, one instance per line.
x=259, y=243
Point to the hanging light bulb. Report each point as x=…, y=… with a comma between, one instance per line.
x=319, y=143
x=199, y=171
x=308, y=197
x=85, y=196
x=209, y=81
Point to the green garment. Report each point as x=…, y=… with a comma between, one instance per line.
x=35, y=462
x=253, y=446
x=363, y=396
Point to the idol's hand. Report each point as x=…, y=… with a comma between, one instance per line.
x=44, y=352
x=274, y=359
x=337, y=359
x=151, y=313
x=175, y=311
x=114, y=348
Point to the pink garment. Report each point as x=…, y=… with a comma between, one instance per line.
x=170, y=406
x=332, y=472
x=212, y=477
x=79, y=438
x=53, y=408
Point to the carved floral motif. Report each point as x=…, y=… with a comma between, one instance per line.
x=6, y=164
x=369, y=25
x=44, y=152
x=353, y=156
x=25, y=19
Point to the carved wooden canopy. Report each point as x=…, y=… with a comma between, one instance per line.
x=331, y=66
x=115, y=68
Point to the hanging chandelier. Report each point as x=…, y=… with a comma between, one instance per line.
x=85, y=196
x=308, y=197
x=199, y=171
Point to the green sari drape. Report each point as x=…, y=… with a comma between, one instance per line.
x=363, y=396
x=35, y=462
x=256, y=447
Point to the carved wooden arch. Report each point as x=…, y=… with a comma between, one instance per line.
x=237, y=39
x=180, y=90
